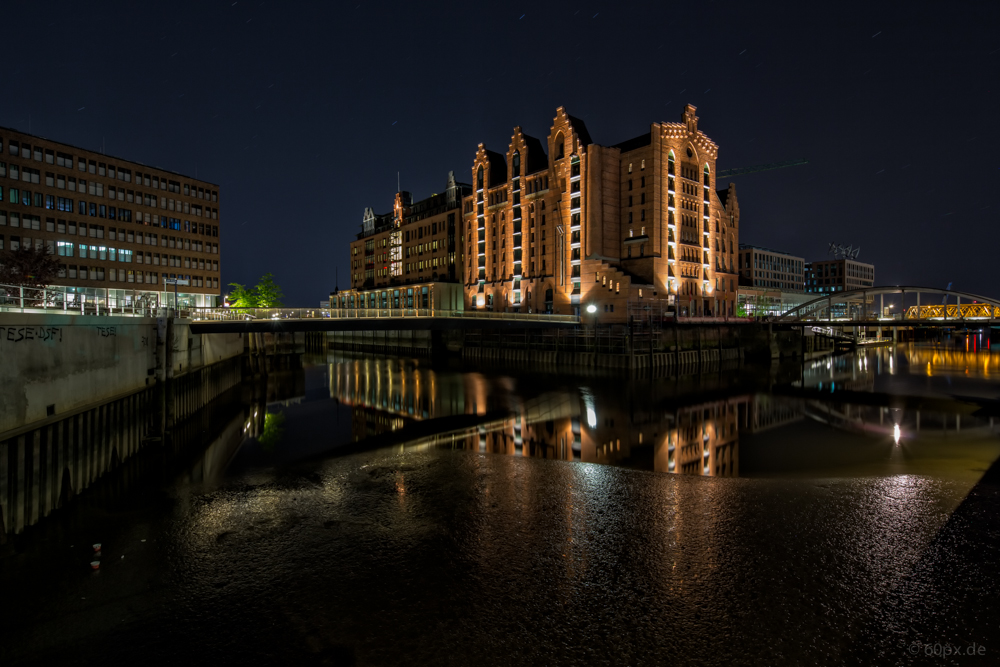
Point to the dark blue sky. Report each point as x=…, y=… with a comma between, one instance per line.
x=304, y=112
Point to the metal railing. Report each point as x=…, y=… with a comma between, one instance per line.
x=19, y=298
x=237, y=314
x=859, y=305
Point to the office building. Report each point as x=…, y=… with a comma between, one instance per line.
x=119, y=227
x=763, y=267
x=561, y=224
x=770, y=282
x=838, y=275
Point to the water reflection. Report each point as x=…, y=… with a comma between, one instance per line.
x=962, y=358
x=652, y=425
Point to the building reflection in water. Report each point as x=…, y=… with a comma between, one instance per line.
x=591, y=424
x=634, y=425
x=388, y=394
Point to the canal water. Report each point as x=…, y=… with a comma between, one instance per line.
x=369, y=510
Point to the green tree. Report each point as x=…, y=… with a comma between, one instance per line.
x=269, y=295
x=265, y=294
x=241, y=297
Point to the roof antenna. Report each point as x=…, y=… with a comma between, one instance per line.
x=397, y=182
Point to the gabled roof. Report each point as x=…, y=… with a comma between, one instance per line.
x=498, y=168
x=723, y=196
x=636, y=142
x=581, y=130
x=537, y=160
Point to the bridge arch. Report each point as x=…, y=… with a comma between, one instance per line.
x=854, y=305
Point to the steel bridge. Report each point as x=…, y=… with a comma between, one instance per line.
x=866, y=307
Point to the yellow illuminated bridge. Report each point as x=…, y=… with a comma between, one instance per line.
x=897, y=306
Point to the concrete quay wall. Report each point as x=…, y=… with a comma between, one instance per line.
x=52, y=363
x=82, y=394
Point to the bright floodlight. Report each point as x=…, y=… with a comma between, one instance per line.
x=591, y=308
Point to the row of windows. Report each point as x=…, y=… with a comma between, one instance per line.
x=831, y=269
x=33, y=222
x=98, y=273
x=420, y=248
x=108, y=253
x=772, y=262
x=103, y=253
x=430, y=263
x=97, y=190
x=781, y=284
x=95, y=210
x=24, y=151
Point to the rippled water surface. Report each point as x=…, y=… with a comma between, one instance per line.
x=385, y=511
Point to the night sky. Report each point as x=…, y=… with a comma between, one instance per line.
x=304, y=113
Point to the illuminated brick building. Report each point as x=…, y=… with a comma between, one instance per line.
x=566, y=224
x=400, y=259
x=118, y=227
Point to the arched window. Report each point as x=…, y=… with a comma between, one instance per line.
x=559, y=147
x=642, y=165
x=516, y=163
x=479, y=178
x=630, y=167
x=707, y=175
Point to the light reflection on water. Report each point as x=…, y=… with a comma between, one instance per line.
x=659, y=425
x=966, y=358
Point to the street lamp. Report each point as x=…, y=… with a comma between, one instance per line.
x=591, y=308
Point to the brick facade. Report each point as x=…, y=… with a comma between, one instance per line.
x=614, y=227
x=418, y=242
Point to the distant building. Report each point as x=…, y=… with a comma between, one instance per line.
x=565, y=225
x=838, y=275
x=416, y=242
x=763, y=267
x=410, y=257
x=118, y=227
x=767, y=301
